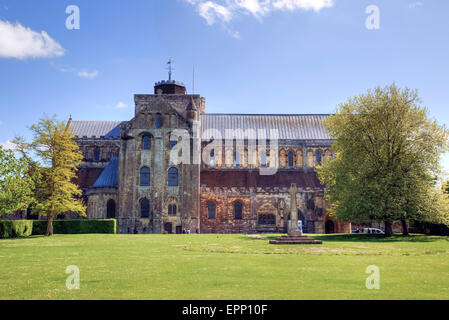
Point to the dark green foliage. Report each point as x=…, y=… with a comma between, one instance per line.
x=431, y=228
x=76, y=226
x=15, y=228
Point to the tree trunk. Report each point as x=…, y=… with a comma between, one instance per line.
x=49, y=231
x=388, y=229
x=404, y=227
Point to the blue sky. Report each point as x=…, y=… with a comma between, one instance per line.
x=250, y=56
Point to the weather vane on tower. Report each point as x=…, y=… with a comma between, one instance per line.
x=170, y=68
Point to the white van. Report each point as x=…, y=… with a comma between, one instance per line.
x=372, y=231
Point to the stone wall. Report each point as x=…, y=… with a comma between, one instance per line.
x=97, y=203
x=133, y=158
x=260, y=201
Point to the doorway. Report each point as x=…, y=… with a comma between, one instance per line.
x=168, y=227
x=330, y=227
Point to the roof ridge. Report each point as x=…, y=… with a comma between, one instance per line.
x=97, y=120
x=267, y=114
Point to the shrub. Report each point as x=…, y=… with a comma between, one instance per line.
x=15, y=228
x=76, y=226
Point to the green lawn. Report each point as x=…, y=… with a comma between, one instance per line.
x=223, y=267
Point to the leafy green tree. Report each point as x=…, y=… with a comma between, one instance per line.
x=445, y=187
x=59, y=156
x=16, y=183
x=387, y=154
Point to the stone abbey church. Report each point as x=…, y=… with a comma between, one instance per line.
x=128, y=174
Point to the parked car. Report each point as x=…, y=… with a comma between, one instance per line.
x=372, y=231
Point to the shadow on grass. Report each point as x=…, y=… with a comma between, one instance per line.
x=33, y=237
x=358, y=238
x=375, y=238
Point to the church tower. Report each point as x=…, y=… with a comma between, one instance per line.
x=157, y=192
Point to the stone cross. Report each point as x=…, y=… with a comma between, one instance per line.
x=293, y=227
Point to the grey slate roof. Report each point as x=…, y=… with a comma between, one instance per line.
x=96, y=129
x=289, y=126
x=109, y=176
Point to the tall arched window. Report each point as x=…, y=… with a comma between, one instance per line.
x=236, y=159
x=97, y=155
x=211, y=211
x=212, y=159
x=318, y=157
x=146, y=142
x=238, y=210
x=145, y=175
x=263, y=159
x=290, y=159
x=144, y=208
x=110, y=209
x=158, y=121
x=173, y=177
x=172, y=209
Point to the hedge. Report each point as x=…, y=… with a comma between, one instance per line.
x=15, y=228
x=76, y=226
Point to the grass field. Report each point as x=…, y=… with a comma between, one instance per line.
x=223, y=267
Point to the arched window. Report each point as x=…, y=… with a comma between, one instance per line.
x=290, y=159
x=236, y=159
x=97, y=155
x=146, y=142
x=172, y=209
x=318, y=157
x=173, y=143
x=238, y=208
x=263, y=159
x=211, y=211
x=212, y=159
x=110, y=209
x=145, y=175
x=158, y=121
x=144, y=208
x=173, y=177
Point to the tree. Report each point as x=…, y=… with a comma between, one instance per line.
x=16, y=183
x=59, y=157
x=386, y=165
x=445, y=187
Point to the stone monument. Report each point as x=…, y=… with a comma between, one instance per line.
x=294, y=235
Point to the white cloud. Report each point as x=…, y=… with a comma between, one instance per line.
x=234, y=34
x=315, y=5
x=255, y=7
x=212, y=11
x=121, y=105
x=8, y=145
x=87, y=74
x=83, y=73
x=19, y=42
x=223, y=11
